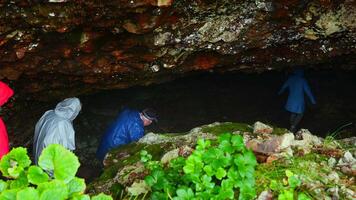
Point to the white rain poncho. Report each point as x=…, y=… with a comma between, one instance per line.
x=55, y=127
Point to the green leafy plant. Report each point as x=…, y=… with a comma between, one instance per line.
x=287, y=190
x=221, y=170
x=53, y=179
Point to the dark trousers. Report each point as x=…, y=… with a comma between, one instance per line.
x=295, y=118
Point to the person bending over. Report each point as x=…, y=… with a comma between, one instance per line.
x=127, y=128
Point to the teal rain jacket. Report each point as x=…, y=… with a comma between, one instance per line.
x=55, y=127
x=127, y=128
x=297, y=86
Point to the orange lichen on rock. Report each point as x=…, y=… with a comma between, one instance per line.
x=205, y=62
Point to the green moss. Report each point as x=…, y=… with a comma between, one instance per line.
x=227, y=127
x=309, y=165
x=279, y=131
x=132, y=154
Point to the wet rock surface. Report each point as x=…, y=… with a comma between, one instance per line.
x=49, y=47
x=124, y=172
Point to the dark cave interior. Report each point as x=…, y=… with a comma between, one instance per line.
x=201, y=99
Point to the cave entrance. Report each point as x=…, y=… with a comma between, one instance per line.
x=206, y=98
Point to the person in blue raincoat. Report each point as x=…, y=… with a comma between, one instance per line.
x=127, y=128
x=297, y=86
x=56, y=127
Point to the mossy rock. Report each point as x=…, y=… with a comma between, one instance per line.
x=156, y=145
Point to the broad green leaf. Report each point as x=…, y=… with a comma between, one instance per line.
x=220, y=173
x=246, y=164
x=80, y=197
x=27, y=194
x=216, y=158
x=14, y=172
x=207, y=182
x=275, y=186
x=226, y=194
x=247, y=192
x=3, y=185
x=203, y=144
x=36, y=175
x=16, y=158
x=294, y=182
x=226, y=146
x=203, y=195
x=250, y=158
x=208, y=170
x=289, y=173
x=286, y=195
x=303, y=196
x=227, y=184
x=194, y=164
x=145, y=156
x=101, y=196
x=76, y=185
x=238, y=142
x=224, y=137
x=54, y=194
x=233, y=174
x=150, y=180
x=20, y=182
x=143, y=153
x=158, y=196
x=61, y=161
x=57, y=188
x=184, y=194
x=8, y=194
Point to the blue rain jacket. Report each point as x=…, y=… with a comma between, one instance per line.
x=297, y=85
x=128, y=127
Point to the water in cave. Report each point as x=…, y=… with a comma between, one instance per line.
x=202, y=99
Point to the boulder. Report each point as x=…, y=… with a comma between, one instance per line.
x=261, y=128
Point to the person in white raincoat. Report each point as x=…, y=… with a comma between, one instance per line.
x=55, y=127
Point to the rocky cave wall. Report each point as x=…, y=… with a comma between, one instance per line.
x=62, y=47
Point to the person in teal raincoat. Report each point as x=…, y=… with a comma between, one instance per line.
x=297, y=86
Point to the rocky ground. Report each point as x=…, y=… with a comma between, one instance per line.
x=326, y=167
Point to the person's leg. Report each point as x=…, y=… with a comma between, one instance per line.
x=295, y=119
x=291, y=121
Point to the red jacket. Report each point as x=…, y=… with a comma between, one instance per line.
x=5, y=94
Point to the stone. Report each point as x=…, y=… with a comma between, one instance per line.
x=334, y=177
x=261, y=128
x=334, y=191
x=170, y=155
x=348, y=158
x=138, y=188
x=265, y=195
x=275, y=144
x=349, y=194
x=332, y=162
x=260, y=35
x=309, y=138
x=286, y=140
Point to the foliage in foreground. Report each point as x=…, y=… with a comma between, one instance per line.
x=213, y=171
x=29, y=182
x=287, y=190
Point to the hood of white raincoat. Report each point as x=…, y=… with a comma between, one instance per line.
x=68, y=108
x=55, y=127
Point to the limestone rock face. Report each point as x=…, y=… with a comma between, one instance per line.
x=52, y=46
